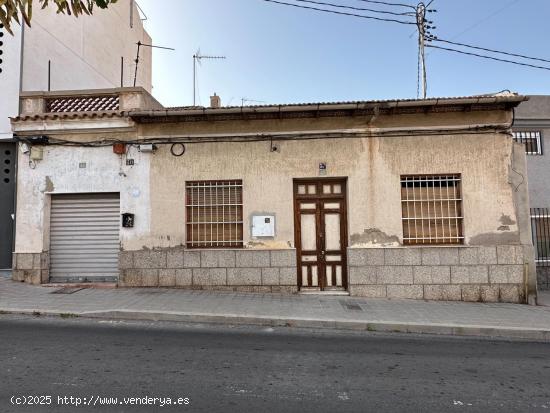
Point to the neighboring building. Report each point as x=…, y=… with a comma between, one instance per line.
x=532, y=128
x=61, y=52
x=421, y=199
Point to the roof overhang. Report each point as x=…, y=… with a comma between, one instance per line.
x=358, y=108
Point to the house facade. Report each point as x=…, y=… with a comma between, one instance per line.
x=419, y=199
x=532, y=129
x=62, y=52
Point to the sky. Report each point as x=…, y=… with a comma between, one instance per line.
x=278, y=54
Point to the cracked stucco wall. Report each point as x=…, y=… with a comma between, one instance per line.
x=154, y=188
x=60, y=172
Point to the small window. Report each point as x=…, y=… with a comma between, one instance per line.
x=531, y=140
x=431, y=209
x=540, y=227
x=214, y=214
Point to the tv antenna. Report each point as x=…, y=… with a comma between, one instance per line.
x=197, y=57
x=139, y=45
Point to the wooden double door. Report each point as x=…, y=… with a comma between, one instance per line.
x=320, y=215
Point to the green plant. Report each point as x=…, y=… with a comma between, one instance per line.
x=21, y=10
x=68, y=315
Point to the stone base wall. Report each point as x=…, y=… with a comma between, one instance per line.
x=484, y=274
x=32, y=268
x=225, y=270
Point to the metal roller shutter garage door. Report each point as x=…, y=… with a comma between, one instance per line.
x=84, y=237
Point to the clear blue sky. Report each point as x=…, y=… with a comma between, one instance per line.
x=279, y=54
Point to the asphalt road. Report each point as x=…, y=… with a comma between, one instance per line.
x=247, y=369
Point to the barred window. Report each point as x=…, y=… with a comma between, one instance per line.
x=214, y=214
x=540, y=227
x=531, y=140
x=432, y=209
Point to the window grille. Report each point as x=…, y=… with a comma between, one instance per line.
x=432, y=209
x=214, y=214
x=540, y=228
x=531, y=140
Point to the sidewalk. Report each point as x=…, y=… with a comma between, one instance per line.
x=457, y=318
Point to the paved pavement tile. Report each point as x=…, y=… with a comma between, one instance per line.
x=21, y=297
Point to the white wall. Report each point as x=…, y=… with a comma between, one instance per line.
x=9, y=78
x=59, y=173
x=85, y=52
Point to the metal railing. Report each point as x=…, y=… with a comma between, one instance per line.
x=540, y=226
x=531, y=140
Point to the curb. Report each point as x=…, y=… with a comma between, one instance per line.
x=538, y=334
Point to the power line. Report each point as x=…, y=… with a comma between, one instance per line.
x=389, y=4
x=339, y=12
x=356, y=8
x=435, y=39
x=487, y=57
x=484, y=19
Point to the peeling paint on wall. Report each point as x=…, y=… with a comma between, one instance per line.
x=373, y=237
x=268, y=244
x=506, y=220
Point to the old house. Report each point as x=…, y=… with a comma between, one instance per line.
x=60, y=53
x=421, y=199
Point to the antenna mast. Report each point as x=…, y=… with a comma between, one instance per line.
x=197, y=57
x=139, y=44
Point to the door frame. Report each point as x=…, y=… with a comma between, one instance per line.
x=318, y=197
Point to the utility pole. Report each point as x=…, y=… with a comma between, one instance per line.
x=197, y=57
x=424, y=35
x=421, y=24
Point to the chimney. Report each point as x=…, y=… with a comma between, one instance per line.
x=215, y=101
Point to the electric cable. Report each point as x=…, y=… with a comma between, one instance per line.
x=356, y=8
x=487, y=57
x=487, y=129
x=339, y=12
x=436, y=39
x=389, y=4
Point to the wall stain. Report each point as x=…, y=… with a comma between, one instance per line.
x=374, y=236
x=503, y=228
x=506, y=220
x=49, y=185
x=492, y=238
x=254, y=244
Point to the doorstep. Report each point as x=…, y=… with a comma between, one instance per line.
x=105, y=285
x=83, y=280
x=316, y=291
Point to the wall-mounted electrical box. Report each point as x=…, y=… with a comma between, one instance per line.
x=147, y=147
x=263, y=225
x=128, y=220
x=37, y=153
x=119, y=148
